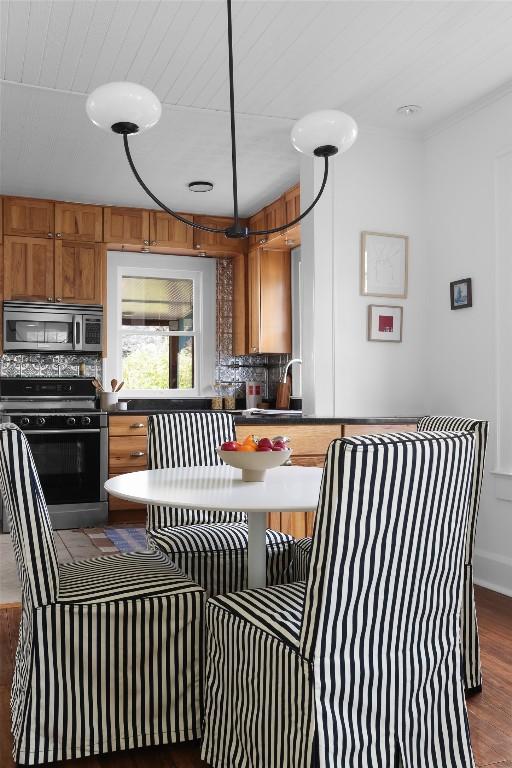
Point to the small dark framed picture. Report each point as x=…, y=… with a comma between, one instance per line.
x=461, y=295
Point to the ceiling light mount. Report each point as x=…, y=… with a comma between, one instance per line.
x=128, y=108
x=200, y=186
x=408, y=110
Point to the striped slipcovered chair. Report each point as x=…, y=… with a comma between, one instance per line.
x=109, y=655
x=210, y=547
x=360, y=665
x=470, y=640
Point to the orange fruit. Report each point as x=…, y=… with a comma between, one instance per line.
x=248, y=448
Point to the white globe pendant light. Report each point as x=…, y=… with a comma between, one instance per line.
x=128, y=108
x=123, y=107
x=327, y=131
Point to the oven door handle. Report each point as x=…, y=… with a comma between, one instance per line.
x=61, y=431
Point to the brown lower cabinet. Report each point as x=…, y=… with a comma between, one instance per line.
x=309, y=442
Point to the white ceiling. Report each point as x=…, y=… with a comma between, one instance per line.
x=291, y=57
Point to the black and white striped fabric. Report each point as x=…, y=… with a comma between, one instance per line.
x=188, y=440
x=359, y=666
x=210, y=547
x=470, y=639
x=110, y=650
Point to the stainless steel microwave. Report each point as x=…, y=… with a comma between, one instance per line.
x=37, y=327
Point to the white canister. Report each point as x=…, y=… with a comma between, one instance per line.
x=108, y=401
x=253, y=394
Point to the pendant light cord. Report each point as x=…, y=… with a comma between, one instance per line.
x=232, y=118
x=235, y=228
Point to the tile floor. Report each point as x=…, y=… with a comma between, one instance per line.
x=71, y=545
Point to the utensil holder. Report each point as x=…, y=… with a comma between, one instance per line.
x=108, y=401
x=283, y=396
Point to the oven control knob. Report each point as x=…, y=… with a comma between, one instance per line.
x=41, y=420
x=71, y=421
x=85, y=420
x=24, y=421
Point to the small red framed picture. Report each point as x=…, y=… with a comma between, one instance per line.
x=461, y=294
x=384, y=323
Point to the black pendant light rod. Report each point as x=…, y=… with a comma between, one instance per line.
x=235, y=230
x=236, y=223
x=163, y=206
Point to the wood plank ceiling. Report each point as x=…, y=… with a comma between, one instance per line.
x=291, y=57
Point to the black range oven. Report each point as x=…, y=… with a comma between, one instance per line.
x=68, y=439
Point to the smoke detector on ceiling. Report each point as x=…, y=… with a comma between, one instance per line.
x=200, y=186
x=409, y=110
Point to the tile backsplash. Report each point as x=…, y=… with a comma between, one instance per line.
x=231, y=371
x=15, y=364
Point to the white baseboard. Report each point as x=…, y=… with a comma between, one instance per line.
x=493, y=571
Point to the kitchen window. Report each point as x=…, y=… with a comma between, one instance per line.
x=163, y=324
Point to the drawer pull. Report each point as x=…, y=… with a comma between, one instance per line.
x=137, y=453
x=136, y=426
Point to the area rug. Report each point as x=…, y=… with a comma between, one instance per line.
x=125, y=539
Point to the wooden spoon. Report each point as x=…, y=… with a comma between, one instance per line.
x=120, y=386
x=97, y=385
x=113, y=384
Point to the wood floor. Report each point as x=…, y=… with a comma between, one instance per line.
x=490, y=712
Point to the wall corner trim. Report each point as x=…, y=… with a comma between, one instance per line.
x=502, y=485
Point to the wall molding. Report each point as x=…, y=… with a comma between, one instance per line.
x=493, y=571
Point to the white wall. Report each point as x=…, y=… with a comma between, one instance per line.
x=452, y=194
x=377, y=185
x=463, y=164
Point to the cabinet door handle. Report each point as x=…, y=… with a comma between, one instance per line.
x=58, y=234
x=146, y=242
x=136, y=426
x=58, y=299
x=153, y=242
x=50, y=234
x=50, y=298
x=136, y=454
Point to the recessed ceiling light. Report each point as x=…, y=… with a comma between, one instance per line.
x=409, y=109
x=200, y=186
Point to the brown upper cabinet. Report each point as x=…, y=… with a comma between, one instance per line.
x=29, y=217
x=168, y=232
x=216, y=242
x=77, y=222
x=77, y=272
x=38, y=269
x=292, y=203
x=28, y=269
x=269, y=302
x=126, y=225
x=258, y=221
x=275, y=213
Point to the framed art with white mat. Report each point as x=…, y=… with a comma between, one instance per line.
x=384, y=264
x=384, y=322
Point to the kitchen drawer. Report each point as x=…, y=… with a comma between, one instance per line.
x=127, y=452
x=354, y=430
x=127, y=425
x=307, y=440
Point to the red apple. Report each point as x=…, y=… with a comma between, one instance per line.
x=264, y=448
x=229, y=446
x=265, y=444
x=279, y=445
x=279, y=448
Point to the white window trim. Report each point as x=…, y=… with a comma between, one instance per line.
x=202, y=272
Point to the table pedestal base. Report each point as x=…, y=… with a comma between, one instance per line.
x=257, y=550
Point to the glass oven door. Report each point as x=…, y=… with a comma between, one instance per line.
x=68, y=463
x=38, y=331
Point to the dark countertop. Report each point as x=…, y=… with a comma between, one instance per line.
x=296, y=420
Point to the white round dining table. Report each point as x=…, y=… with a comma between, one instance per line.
x=284, y=489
